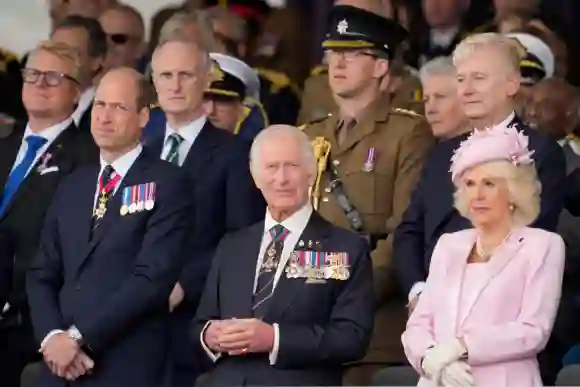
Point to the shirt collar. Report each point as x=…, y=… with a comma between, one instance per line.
x=574, y=145
x=50, y=133
x=190, y=131
x=508, y=120
x=295, y=223
x=85, y=101
x=443, y=37
x=125, y=162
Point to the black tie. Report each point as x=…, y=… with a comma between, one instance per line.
x=270, y=261
x=104, y=193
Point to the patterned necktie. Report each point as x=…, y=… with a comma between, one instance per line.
x=19, y=173
x=107, y=185
x=174, y=141
x=270, y=261
x=344, y=126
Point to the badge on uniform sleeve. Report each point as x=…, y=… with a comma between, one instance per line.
x=370, y=160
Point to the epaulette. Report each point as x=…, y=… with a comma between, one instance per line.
x=406, y=112
x=278, y=79
x=315, y=121
x=317, y=70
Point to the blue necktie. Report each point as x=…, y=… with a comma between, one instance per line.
x=19, y=173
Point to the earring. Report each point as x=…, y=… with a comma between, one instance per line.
x=512, y=207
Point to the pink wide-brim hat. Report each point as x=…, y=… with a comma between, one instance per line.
x=494, y=144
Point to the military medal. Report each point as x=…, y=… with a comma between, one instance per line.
x=133, y=205
x=140, y=197
x=126, y=199
x=370, y=160
x=101, y=209
x=150, y=198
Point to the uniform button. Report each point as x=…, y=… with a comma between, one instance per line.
x=327, y=190
x=336, y=162
x=325, y=199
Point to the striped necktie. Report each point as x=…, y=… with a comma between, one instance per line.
x=174, y=140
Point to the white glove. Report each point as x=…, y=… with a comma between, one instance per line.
x=440, y=357
x=457, y=374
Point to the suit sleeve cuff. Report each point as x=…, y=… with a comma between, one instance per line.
x=50, y=334
x=214, y=356
x=274, y=351
x=416, y=290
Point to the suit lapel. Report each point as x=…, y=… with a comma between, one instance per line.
x=317, y=230
x=455, y=274
x=133, y=177
x=201, y=152
x=496, y=264
x=245, y=268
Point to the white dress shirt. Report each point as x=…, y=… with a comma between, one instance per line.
x=188, y=132
x=121, y=167
x=85, y=101
x=443, y=37
x=50, y=134
x=295, y=224
x=418, y=287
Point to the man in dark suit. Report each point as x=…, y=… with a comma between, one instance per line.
x=87, y=36
x=488, y=78
x=225, y=197
x=296, y=302
x=99, y=286
x=34, y=158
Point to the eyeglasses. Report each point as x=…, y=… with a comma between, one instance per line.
x=347, y=55
x=50, y=78
x=120, y=39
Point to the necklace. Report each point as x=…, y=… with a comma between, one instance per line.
x=482, y=252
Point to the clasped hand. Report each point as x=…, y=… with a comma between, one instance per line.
x=239, y=336
x=65, y=359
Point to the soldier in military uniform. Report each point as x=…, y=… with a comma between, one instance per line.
x=369, y=156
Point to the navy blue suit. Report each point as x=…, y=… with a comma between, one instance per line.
x=6, y=264
x=114, y=286
x=431, y=213
x=322, y=325
x=225, y=199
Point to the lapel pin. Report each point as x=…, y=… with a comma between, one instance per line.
x=301, y=243
x=309, y=243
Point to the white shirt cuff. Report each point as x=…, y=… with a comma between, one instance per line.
x=274, y=351
x=48, y=336
x=416, y=290
x=214, y=356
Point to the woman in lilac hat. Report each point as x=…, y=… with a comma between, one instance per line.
x=491, y=297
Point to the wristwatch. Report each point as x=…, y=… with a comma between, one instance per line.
x=76, y=335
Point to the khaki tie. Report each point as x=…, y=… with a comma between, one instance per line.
x=344, y=126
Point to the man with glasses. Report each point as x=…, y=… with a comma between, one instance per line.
x=225, y=197
x=370, y=156
x=88, y=38
x=34, y=157
x=125, y=31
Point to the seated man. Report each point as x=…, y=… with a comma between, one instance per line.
x=232, y=100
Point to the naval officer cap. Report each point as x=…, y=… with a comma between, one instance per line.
x=352, y=27
x=233, y=79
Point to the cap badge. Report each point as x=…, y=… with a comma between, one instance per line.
x=218, y=74
x=342, y=26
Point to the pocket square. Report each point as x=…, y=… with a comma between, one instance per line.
x=44, y=171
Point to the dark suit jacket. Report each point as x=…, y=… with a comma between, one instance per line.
x=322, y=326
x=6, y=263
x=24, y=216
x=85, y=122
x=225, y=198
x=115, y=286
x=431, y=213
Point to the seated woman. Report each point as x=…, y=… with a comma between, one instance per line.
x=491, y=297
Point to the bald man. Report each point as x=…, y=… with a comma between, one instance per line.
x=99, y=287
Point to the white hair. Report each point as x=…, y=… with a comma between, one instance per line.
x=308, y=157
x=523, y=187
x=440, y=66
x=510, y=48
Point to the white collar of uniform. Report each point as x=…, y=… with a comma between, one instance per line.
x=189, y=132
x=85, y=101
x=50, y=133
x=295, y=223
x=123, y=163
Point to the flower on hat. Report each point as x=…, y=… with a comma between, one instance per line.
x=491, y=144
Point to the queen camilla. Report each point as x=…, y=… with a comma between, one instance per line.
x=491, y=297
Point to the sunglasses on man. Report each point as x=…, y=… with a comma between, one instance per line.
x=120, y=39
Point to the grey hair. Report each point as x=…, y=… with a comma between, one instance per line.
x=442, y=66
x=266, y=134
x=235, y=22
x=511, y=50
x=207, y=64
x=175, y=25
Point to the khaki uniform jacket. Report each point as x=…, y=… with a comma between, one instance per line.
x=317, y=99
x=401, y=140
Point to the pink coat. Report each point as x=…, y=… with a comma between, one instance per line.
x=509, y=320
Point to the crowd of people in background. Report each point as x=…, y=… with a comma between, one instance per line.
x=349, y=192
